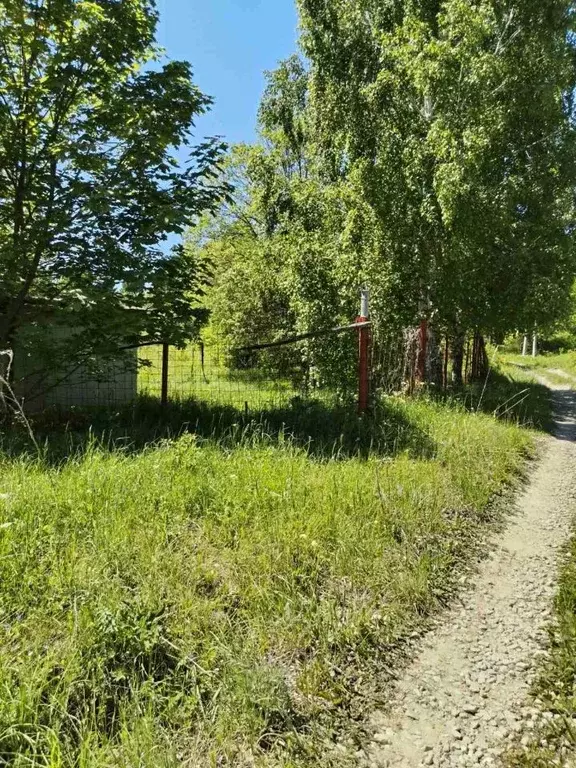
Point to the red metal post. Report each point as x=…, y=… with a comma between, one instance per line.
x=364, y=356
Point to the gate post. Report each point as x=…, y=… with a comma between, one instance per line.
x=364, y=361
x=165, y=366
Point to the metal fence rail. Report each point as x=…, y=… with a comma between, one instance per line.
x=213, y=373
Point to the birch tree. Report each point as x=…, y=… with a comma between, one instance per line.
x=455, y=122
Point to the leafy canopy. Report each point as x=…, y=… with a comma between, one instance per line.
x=455, y=120
x=90, y=186
x=426, y=148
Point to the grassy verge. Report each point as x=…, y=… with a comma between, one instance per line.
x=213, y=602
x=510, y=394
x=565, y=362
x=514, y=395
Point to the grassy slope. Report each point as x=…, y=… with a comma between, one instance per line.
x=216, y=603
x=565, y=361
x=511, y=393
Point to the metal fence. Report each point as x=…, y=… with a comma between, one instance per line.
x=327, y=365
x=342, y=365
x=211, y=372
x=351, y=363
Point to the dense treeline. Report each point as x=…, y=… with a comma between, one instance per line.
x=423, y=148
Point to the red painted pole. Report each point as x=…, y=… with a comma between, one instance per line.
x=364, y=357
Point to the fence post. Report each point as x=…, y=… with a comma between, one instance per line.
x=364, y=361
x=165, y=369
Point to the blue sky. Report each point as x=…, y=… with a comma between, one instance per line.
x=229, y=43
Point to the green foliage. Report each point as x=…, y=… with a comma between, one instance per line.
x=455, y=121
x=560, y=336
x=278, y=264
x=284, y=248
x=89, y=122
x=425, y=149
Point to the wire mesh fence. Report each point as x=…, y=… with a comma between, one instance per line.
x=346, y=365
x=214, y=373
x=327, y=370
x=357, y=362
x=326, y=366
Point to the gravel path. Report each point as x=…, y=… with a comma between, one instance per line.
x=466, y=696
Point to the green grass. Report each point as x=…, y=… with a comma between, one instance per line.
x=207, y=378
x=508, y=393
x=226, y=597
x=512, y=393
x=565, y=362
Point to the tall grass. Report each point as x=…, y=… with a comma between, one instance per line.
x=224, y=601
x=511, y=393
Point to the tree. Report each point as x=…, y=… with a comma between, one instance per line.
x=454, y=122
x=280, y=241
x=90, y=187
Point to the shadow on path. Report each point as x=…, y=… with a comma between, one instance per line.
x=565, y=407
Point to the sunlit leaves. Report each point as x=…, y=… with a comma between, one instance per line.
x=457, y=114
x=89, y=185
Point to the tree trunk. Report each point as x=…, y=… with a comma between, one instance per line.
x=480, y=362
x=535, y=344
x=458, y=359
x=525, y=345
x=6, y=379
x=411, y=337
x=434, y=358
x=422, y=351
